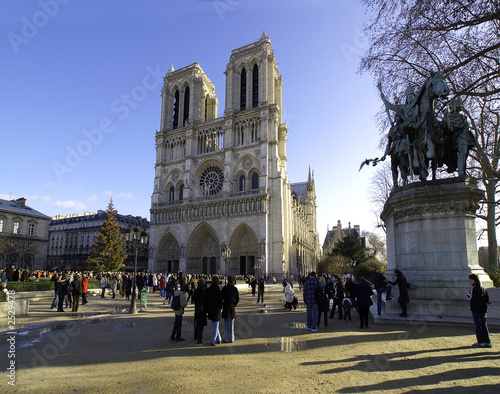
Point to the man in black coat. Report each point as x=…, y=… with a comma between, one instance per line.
x=213, y=306
x=77, y=292
x=230, y=298
x=141, y=282
x=479, y=301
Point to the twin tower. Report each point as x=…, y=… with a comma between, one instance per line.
x=222, y=202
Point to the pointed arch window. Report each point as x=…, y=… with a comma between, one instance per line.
x=171, y=194
x=255, y=181
x=243, y=90
x=175, y=123
x=206, y=108
x=255, y=87
x=186, y=106
x=242, y=183
x=181, y=193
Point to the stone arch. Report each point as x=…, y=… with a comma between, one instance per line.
x=203, y=251
x=168, y=254
x=244, y=247
x=241, y=65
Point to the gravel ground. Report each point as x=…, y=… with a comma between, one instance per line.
x=273, y=353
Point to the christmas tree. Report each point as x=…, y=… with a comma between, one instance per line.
x=108, y=251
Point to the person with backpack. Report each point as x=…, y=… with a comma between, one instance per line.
x=179, y=302
x=479, y=301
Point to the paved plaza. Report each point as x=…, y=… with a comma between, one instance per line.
x=105, y=350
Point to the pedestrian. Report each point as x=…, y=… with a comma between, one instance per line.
x=103, y=284
x=200, y=313
x=128, y=282
x=404, y=297
x=323, y=304
x=230, y=298
x=253, y=284
x=25, y=276
x=69, y=292
x=338, y=297
x=213, y=306
x=479, y=301
x=289, y=294
x=9, y=273
x=62, y=290
x=260, y=291
x=309, y=295
x=55, y=301
x=114, y=286
x=363, y=293
x=85, y=286
x=162, y=286
x=178, y=306
x=77, y=292
x=330, y=292
x=349, y=287
x=155, y=282
x=141, y=283
x=381, y=286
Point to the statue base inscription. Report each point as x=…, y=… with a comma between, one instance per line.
x=431, y=238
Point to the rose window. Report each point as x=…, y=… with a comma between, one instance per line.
x=211, y=181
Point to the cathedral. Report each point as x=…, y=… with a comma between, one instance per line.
x=222, y=202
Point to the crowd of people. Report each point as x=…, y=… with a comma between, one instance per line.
x=323, y=295
x=321, y=292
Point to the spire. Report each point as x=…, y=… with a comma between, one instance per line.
x=265, y=37
x=171, y=69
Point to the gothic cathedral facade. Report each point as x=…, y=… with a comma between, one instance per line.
x=222, y=202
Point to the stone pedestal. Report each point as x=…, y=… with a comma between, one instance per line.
x=431, y=238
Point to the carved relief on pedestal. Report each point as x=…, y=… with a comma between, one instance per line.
x=437, y=208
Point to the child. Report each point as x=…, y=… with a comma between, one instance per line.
x=289, y=296
x=346, y=305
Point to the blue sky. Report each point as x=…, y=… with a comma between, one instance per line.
x=80, y=98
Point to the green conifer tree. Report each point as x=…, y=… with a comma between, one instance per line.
x=108, y=250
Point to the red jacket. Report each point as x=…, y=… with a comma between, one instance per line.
x=85, y=284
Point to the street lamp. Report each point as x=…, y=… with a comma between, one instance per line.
x=136, y=242
x=262, y=259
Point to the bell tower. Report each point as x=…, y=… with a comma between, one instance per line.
x=188, y=98
x=252, y=77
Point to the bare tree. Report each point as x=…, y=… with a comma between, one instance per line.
x=460, y=38
x=380, y=189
